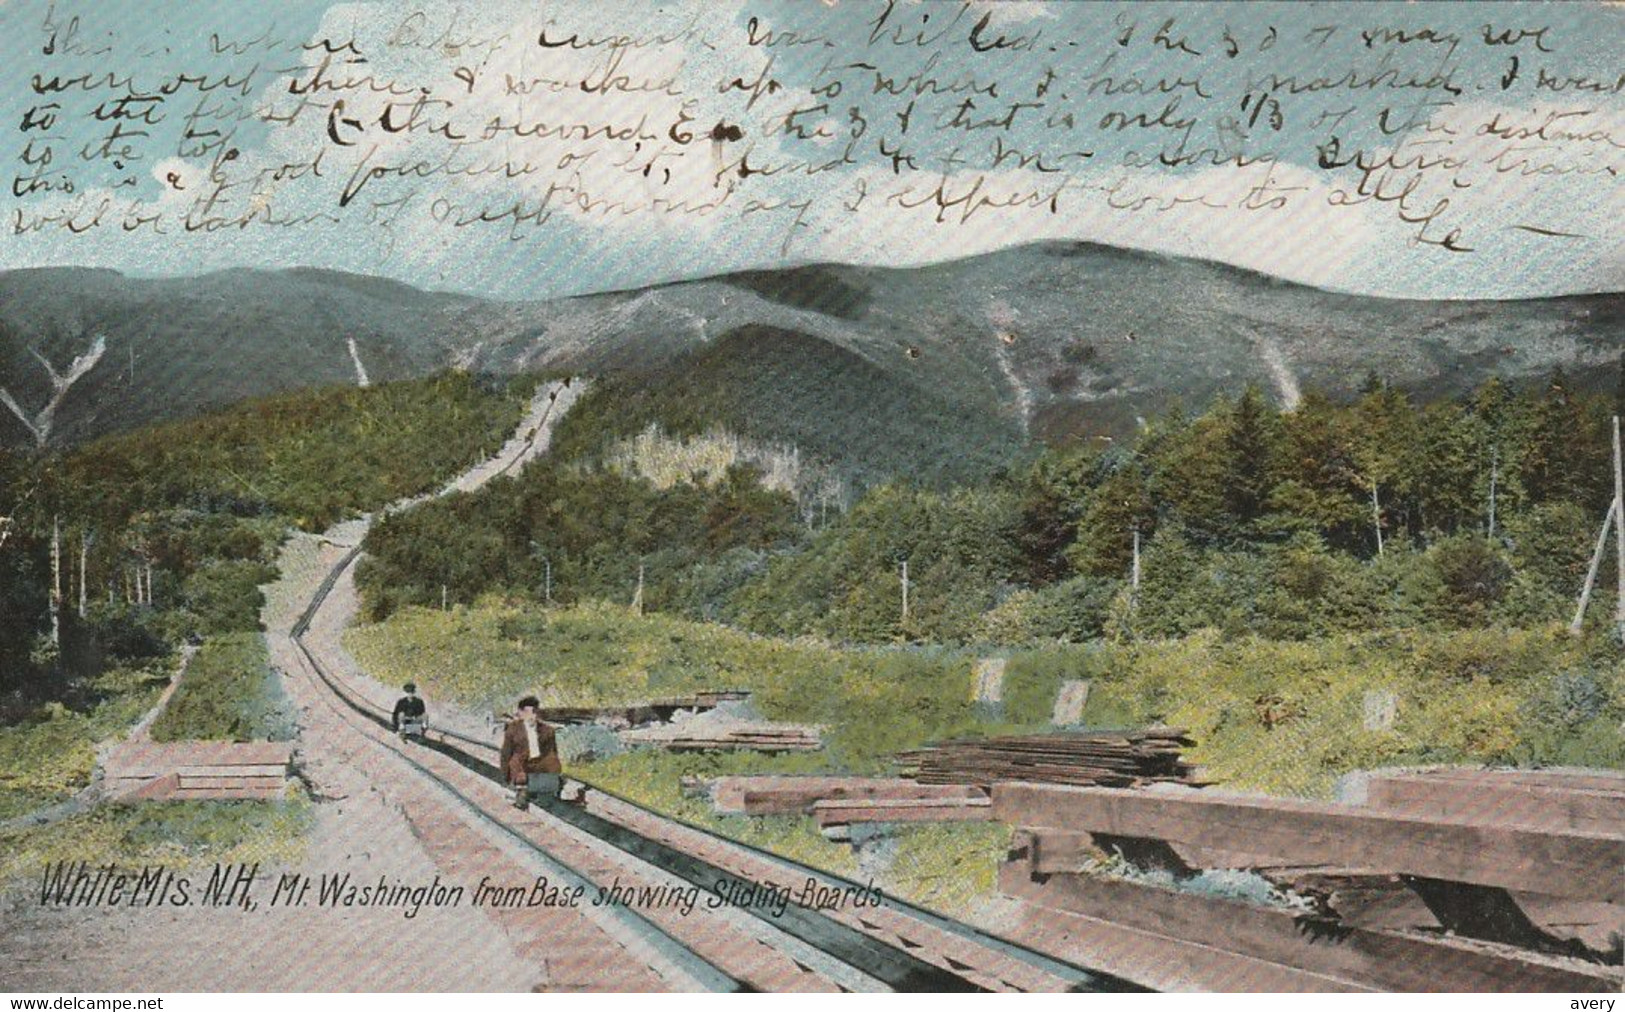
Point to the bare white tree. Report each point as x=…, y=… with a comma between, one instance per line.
x=40, y=423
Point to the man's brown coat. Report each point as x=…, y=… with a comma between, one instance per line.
x=516, y=759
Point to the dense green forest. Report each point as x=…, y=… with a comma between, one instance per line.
x=1286, y=524
x=165, y=533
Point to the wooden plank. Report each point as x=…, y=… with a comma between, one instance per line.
x=714, y=697
x=714, y=745
x=156, y=789
x=188, y=783
x=212, y=770
x=227, y=794
x=1058, y=852
x=1579, y=865
x=1500, y=800
x=1157, y=961
x=1612, y=781
x=857, y=804
x=844, y=813
x=172, y=787
x=1385, y=901
x=1595, y=925
x=1381, y=960
x=153, y=759
x=770, y=795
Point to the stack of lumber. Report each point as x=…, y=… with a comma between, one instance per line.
x=703, y=735
x=1085, y=758
x=197, y=771
x=796, y=795
x=1462, y=880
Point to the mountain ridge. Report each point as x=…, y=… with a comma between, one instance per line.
x=1061, y=339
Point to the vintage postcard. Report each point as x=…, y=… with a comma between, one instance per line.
x=811, y=495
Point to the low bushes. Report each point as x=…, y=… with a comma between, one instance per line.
x=229, y=693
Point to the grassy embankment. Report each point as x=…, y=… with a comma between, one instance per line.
x=50, y=756
x=170, y=833
x=229, y=693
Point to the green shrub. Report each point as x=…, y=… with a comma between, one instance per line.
x=224, y=596
x=228, y=693
x=51, y=755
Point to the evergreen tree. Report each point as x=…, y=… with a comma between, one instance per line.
x=1054, y=496
x=1104, y=545
x=1250, y=449
x=1318, y=487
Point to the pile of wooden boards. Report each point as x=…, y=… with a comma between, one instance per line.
x=1455, y=880
x=198, y=770
x=1085, y=758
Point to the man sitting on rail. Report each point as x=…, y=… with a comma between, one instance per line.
x=530, y=757
x=410, y=713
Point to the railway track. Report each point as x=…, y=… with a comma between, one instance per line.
x=728, y=940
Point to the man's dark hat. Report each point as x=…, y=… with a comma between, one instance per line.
x=529, y=701
x=410, y=687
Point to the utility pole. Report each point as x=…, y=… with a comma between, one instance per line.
x=1495, y=474
x=1134, y=573
x=547, y=580
x=56, y=581
x=1615, y=520
x=905, y=592
x=1619, y=535
x=84, y=552
x=1596, y=564
x=442, y=597
x=1376, y=516
x=637, y=597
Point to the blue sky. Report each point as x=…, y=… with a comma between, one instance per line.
x=1521, y=176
